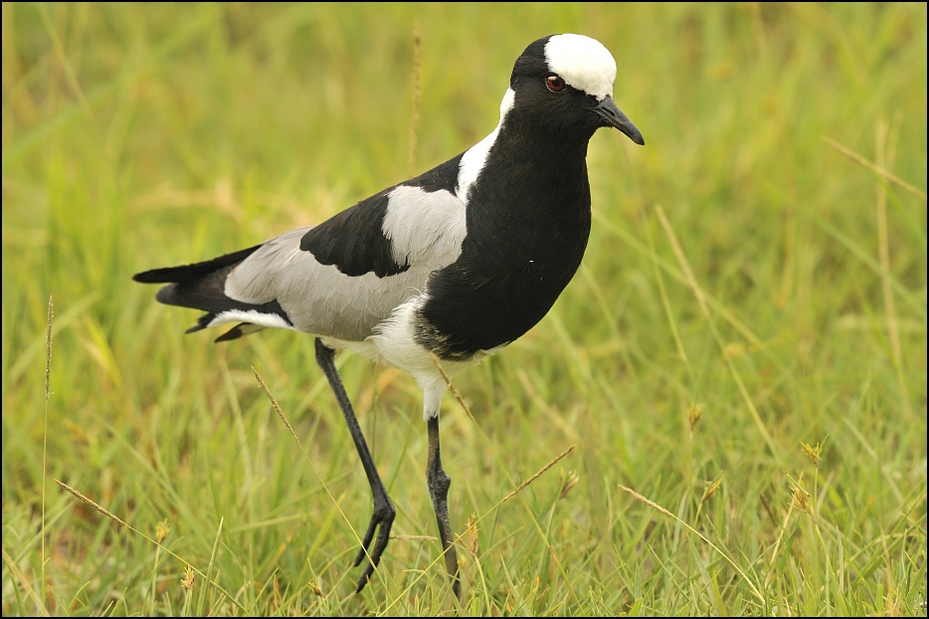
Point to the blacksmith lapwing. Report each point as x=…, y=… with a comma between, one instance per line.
x=451, y=265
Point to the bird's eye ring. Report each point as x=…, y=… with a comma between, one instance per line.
x=555, y=83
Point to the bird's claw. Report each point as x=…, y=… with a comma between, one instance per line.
x=381, y=521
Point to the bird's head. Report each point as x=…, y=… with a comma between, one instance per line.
x=566, y=80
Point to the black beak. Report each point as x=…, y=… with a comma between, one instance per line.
x=614, y=117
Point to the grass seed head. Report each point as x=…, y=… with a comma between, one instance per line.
x=800, y=498
x=567, y=482
x=694, y=412
x=162, y=529
x=188, y=580
x=814, y=453
x=473, y=541
x=711, y=488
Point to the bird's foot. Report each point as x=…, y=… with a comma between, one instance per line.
x=381, y=521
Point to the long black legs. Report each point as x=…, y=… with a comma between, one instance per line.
x=383, y=516
x=384, y=513
x=438, y=483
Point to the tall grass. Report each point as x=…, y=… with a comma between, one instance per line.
x=740, y=362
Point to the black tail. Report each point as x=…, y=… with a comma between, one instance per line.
x=189, y=273
x=201, y=286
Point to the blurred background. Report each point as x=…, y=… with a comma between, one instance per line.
x=748, y=327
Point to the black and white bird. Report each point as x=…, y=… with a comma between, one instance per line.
x=457, y=262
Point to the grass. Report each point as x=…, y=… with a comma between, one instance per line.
x=737, y=373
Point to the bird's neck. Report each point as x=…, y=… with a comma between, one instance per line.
x=527, y=174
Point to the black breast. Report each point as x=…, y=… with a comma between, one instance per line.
x=528, y=227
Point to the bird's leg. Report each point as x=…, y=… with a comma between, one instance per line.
x=438, y=483
x=384, y=512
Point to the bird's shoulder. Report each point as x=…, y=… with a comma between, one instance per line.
x=419, y=222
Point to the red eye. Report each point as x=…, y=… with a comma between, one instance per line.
x=555, y=83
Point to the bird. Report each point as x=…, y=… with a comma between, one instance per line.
x=436, y=272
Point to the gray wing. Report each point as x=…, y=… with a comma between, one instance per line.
x=339, y=279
